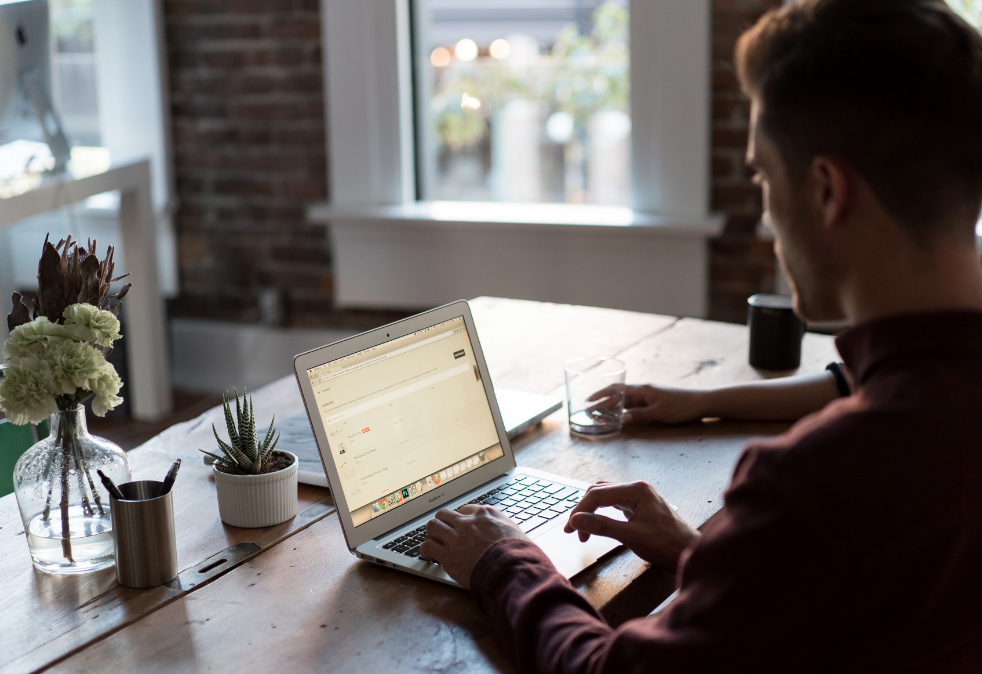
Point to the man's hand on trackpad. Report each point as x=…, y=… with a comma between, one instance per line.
x=456, y=539
x=653, y=530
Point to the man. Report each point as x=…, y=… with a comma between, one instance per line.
x=853, y=542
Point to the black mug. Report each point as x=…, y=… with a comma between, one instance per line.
x=775, y=332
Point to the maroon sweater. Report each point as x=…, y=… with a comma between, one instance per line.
x=852, y=543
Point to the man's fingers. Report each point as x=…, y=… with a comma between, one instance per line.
x=640, y=415
x=598, y=525
x=469, y=509
x=605, y=403
x=439, y=531
x=433, y=551
x=438, y=537
x=449, y=517
x=602, y=495
x=613, y=389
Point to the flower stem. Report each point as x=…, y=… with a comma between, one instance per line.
x=84, y=470
x=51, y=487
x=95, y=492
x=66, y=531
x=77, y=454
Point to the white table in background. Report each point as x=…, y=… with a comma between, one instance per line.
x=146, y=327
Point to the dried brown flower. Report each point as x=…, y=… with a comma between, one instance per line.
x=70, y=274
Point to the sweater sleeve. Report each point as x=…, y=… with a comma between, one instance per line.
x=756, y=595
x=543, y=623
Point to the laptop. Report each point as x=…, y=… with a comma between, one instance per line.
x=406, y=423
x=519, y=410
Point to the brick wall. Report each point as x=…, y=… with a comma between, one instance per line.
x=249, y=152
x=248, y=116
x=740, y=264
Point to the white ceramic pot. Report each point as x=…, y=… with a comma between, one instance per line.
x=252, y=501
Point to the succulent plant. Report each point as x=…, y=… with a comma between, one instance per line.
x=244, y=454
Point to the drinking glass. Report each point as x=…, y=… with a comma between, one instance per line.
x=595, y=395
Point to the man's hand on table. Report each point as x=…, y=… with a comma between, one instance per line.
x=653, y=530
x=643, y=404
x=458, y=538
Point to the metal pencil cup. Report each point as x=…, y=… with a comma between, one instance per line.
x=143, y=535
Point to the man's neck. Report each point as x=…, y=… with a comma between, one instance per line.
x=905, y=281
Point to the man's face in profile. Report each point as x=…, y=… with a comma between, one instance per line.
x=800, y=244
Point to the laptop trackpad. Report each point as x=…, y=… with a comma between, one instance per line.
x=568, y=554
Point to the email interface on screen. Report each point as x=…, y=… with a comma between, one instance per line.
x=405, y=417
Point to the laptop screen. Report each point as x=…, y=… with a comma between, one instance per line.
x=405, y=417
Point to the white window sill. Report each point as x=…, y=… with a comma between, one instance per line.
x=425, y=254
x=558, y=218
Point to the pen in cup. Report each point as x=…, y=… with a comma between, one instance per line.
x=110, y=485
x=169, y=480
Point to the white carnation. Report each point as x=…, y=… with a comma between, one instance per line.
x=27, y=393
x=74, y=365
x=88, y=323
x=107, y=385
x=32, y=338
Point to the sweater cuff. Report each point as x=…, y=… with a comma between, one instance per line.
x=498, y=563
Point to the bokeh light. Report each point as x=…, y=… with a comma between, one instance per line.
x=440, y=57
x=466, y=50
x=559, y=127
x=468, y=102
x=500, y=49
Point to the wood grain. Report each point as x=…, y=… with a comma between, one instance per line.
x=307, y=605
x=526, y=343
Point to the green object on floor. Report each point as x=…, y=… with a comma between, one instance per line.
x=14, y=441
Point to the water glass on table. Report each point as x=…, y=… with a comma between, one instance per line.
x=595, y=395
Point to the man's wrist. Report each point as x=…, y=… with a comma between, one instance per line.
x=706, y=403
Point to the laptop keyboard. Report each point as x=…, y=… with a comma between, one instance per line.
x=530, y=502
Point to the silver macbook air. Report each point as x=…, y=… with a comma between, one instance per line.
x=406, y=423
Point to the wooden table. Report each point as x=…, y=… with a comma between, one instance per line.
x=291, y=597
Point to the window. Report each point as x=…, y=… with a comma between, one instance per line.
x=971, y=10
x=657, y=114
x=523, y=101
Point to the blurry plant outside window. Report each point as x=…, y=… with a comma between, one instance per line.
x=523, y=100
x=73, y=69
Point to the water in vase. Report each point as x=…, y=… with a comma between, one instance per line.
x=91, y=541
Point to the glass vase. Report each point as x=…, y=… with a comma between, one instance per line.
x=62, y=500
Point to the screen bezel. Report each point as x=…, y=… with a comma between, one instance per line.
x=407, y=512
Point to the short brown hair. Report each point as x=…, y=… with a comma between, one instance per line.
x=894, y=87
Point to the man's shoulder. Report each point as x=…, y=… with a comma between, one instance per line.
x=818, y=440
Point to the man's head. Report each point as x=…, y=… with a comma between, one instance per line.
x=863, y=111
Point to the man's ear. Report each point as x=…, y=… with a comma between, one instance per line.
x=831, y=190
